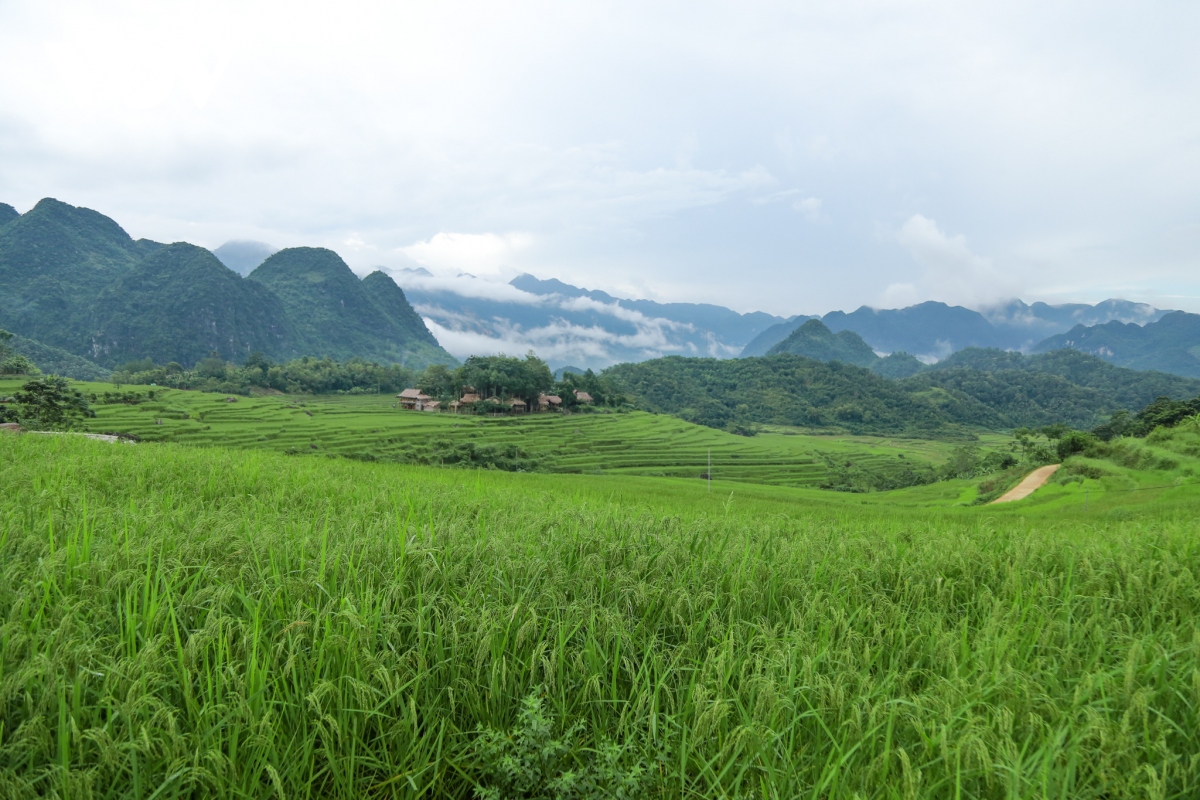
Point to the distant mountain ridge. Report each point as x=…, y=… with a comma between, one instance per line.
x=1170, y=344
x=934, y=330
x=73, y=279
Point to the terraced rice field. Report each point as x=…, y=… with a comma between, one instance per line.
x=370, y=427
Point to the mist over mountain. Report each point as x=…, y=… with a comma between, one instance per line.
x=73, y=280
x=243, y=255
x=568, y=325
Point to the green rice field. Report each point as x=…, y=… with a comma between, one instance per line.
x=370, y=427
x=185, y=621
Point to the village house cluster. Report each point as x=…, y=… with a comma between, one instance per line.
x=416, y=400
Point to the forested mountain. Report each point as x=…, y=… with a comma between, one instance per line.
x=934, y=330
x=788, y=390
x=72, y=279
x=814, y=340
x=333, y=313
x=1012, y=391
x=54, y=361
x=54, y=261
x=180, y=304
x=7, y=214
x=1172, y=344
x=1063, y=386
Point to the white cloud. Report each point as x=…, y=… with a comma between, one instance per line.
x=477, y=253
x=953, y=273
x=810, y=207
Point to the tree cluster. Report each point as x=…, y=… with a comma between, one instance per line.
x=49, y=404
x=506, y=377
x=299, y=376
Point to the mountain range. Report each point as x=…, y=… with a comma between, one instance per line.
x=74, y=284
x=73, y=280
x=567, y=324
x=934, y=330
x=1172, y=344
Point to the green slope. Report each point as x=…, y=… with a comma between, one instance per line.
x=7, y=214
x=814, y=340
x=54, y=261
x=333, y=314
x=390, y=300
x=180, y=304
x=897, y=365
x=790, y=390
x=55, y=361
x=1011, y=391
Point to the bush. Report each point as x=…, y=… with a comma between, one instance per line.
x=531, y=762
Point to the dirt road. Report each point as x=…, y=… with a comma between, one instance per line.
x=1031, y=483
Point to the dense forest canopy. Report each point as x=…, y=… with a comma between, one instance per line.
x=1065, y=387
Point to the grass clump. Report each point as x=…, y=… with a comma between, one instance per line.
x=187, y=622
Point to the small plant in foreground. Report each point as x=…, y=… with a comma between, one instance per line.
x=531, y=763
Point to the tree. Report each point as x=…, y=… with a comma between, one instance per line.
x=439, y=381
x=50, y=403
x=211, y=367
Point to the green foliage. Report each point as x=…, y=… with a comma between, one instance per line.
x=213, y=623
x=789, y=390
x=299, y=376
x=814, y=340
x=1060, y=387
x=531, y=762
x=47, y=404
x=56, y=361
x=897, y=365
x=504, y=376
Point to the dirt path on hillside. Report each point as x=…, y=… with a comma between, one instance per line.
x=1031, y=483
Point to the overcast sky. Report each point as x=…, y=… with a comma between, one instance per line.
x=786, y=157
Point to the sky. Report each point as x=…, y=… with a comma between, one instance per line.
x=785, y=157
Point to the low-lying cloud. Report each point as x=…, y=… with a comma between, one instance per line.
x=952, y=272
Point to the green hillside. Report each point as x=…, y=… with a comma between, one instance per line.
x=791, y=390
x=54, y=261
x=7, y=214
x=335, y=315
x=72, y=279
x=180, y=304
x=55, y=361
x=1172, y=344
x=814, y=340
x=391, y=302
x=1060, y=386
x=897, y=365
x=1012, y=391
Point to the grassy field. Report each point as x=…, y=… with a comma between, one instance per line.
x=205, y=622
x=369, y=427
